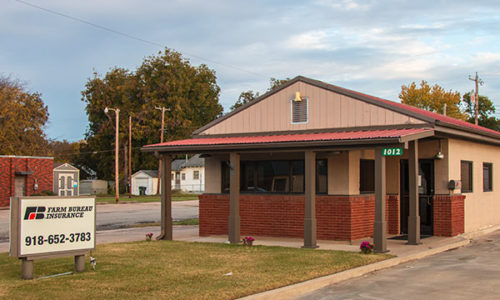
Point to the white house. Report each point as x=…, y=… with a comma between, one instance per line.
x=189, y=175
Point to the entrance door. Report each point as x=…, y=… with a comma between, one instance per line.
x=66, y=181
x=425, y=195
x=19, y=186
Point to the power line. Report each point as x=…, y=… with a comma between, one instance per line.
x=110, y=30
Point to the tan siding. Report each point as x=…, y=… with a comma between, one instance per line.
x=481, y=208
x=326, y=109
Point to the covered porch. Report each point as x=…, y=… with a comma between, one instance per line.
x=300, y=202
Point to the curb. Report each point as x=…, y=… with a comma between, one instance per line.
x=295, y=290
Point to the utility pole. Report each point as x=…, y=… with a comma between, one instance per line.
x=163, y=110
x=478, y=82
x=117, y=124
x=130, y=156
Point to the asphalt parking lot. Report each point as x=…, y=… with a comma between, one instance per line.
x=471, y=272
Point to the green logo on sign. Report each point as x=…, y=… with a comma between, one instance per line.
x=392, y=151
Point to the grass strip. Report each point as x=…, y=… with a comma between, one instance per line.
x=176, y=270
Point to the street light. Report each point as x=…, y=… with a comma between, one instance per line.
x=117, y=119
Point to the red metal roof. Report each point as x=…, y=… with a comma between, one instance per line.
x=325, y=136
x=427, y=113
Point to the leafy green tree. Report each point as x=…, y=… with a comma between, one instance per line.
x=23, y=116
x=167, y=80
x=275, y=83
x=486, y=111
x=250, y=95
x=244, y=98
x=432, y=98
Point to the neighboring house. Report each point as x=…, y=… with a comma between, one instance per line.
x=176, y=173
x=145, y=182
x=24, y=176
x=66, y=180
x=188, y=174
x=307, y=159
x=93, y=187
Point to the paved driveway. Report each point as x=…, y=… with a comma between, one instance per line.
x=471, y=272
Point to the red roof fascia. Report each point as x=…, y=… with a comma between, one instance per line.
x=325, y=136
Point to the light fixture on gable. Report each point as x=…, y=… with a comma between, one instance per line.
x=298, y=97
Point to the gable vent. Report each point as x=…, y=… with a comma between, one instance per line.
x=299, y=111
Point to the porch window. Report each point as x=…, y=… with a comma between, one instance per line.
x=487, y=177
x=466, y=176
x=276, y=176
x=366, y=176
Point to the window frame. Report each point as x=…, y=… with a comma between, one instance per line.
x=490, y=177
x=292, y=101
x=196, y=175
x=183, y=176
x=471, y=176
x=225, y=176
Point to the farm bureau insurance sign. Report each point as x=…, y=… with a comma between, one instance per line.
x=53, y=225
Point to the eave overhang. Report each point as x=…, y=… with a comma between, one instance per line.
x=292, y=142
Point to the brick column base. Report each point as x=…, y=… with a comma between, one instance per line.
x=448, y=215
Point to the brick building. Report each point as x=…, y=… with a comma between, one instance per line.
x=314, y=160
x=24, y=176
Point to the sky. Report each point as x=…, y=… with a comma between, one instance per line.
x=368, y=46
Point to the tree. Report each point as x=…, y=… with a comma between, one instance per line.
x=432, y=99
x=64, y=151
x=275, y=83
x=486, y=110
x=23, y=116
x=244, y=98
x=250, y=95
x=166, y=80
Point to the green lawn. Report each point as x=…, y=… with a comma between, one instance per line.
x=124, y=198
x=176, y=270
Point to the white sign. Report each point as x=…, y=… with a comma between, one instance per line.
x=48, y=225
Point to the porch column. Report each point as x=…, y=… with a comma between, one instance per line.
x=414, y=216
x=380, y=226
x=234, y=198
x=310, y=200
x=166, y=198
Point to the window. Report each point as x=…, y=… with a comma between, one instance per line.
x=366, y=176
x=466, y=176
x=196, y=175
x=487, y=177
x=322, y=176
x=276, y=176
x=183, y=176
x=299, y=111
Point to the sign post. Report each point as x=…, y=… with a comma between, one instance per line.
x=46, y=227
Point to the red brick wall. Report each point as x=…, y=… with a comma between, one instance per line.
x=392, y=213
x=42, y=173
x=449, y=215
x=338, y=217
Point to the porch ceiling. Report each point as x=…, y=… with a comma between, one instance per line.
x=304, y=140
